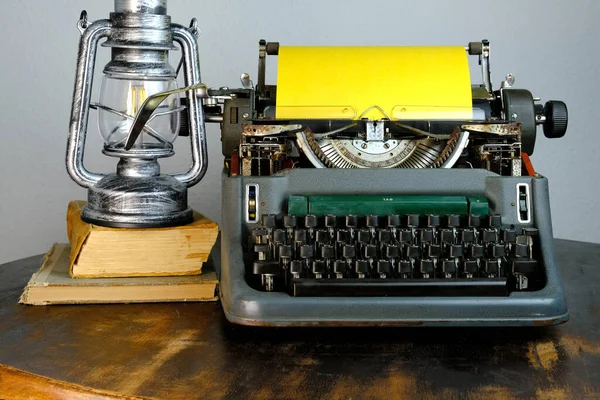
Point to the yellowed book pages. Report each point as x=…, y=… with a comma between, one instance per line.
x=52, y=284
x=98, y=251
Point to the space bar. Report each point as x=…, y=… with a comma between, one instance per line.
x=396, y=287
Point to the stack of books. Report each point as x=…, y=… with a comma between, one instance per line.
x=122, y=265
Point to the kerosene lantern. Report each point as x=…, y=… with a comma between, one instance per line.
x=139, y=116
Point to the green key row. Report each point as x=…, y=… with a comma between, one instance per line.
x=385, y=205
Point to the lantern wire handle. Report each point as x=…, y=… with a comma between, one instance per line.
x=83, y=22
x=194, y=31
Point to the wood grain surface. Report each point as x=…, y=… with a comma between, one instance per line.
x=17, y=384
x=186, y=351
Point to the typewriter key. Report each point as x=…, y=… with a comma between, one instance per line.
x=361, y=268
x=426, y=268
x=310, y=221
x=289, y=221
x=433, y=221
x=384, y=268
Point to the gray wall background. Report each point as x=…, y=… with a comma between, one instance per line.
x=552, y=47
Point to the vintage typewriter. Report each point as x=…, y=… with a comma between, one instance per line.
x=406, y=215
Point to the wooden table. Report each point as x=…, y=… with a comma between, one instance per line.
x=188, y=351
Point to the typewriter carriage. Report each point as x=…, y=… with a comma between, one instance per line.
x=504, y=123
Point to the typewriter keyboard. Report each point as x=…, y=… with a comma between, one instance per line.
x=392, y=255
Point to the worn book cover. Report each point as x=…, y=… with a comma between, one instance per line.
x=98, y=251
x=52, y=284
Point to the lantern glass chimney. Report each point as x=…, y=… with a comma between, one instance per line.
x=122, y=97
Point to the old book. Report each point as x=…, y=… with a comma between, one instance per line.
x=98, y=252
x=52, y=284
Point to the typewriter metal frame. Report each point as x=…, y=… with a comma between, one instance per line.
x=245, y=305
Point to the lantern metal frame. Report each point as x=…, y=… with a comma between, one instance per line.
x=140, y=35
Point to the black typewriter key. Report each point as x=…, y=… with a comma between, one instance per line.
x=433, y=250
x=447, y=236
x=448, y=268
x=393, y=221
x=433, y=221
x=267, y=270
x=466, y=236
x=364, y=236
x=279, y=236
x=477, y=251
x=526, y=267
x=426, y=235
x=474, y=221
x=339, y=268
x=497, y=251
x=372, y=221
x=405, y=269
x=469, y=268
x=348, y=251
x=319, y=268
x=412, y=251
x=268, y=220
x=322, y=236
x=453, y=221
x=521, y=250
x=370, y=251
x=342, y=236
x=384, y=268
x=285, y=253
x=522, y=269
x=289, y=221
x=412, y=221
x=257, y=232
x=426, y=268
x=300, y=236
x=392, y=251
x=491, y=268
x=327, y=252
x=490, y=236
x=495, y=220
x=265, y=267
x=260, y=235
x=509, y=236
x=330, y=221
x=530, y=231
x=310, y=221
x=455, y=251
x=262, y=250
x=307, y=251
x=351, y=221
x=405, y=236
x=361, y=268
x=384, y=236
x=296, y=268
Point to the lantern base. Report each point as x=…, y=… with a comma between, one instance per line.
x=128, y=221
x=137, y=202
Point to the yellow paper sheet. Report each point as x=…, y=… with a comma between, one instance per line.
x=344, y=82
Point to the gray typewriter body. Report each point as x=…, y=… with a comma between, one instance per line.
x=459, y=236
x=245, y=305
